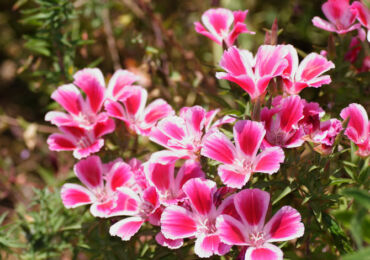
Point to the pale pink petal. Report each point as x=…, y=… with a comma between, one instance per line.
x=248, y=137
x=237, y=62
x=59, y=118
x=60, y=142
x=166, y=156
x=266, y=252
x=104, y=127
x=90, y=172
x=284, y=225
x=292, y=58
x=218, y=147
x=322, y=24
x=339, y=13
x=206, y=245
x=252, y=205
x=103, y=209
x=199, y=28
x=231, y=177
x=91, y=81
x=120, y=174
x=224, y=120
x=210, y=115
x=114, y=109
x=157, y=136
x=120, y=80
x=74, y=195
x=127, y=203
x=270, y=60
x=69, y=97
x=177, y=222
x=200, y=193
x=195, y=120
x=126, y=228
x=231, y=231
x=170, y=243
x=269, y=160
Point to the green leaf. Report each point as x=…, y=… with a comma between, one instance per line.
x=362, y=197
x=285, y=192
x=363, y=254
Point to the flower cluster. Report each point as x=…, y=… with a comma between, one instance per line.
x=170, y=189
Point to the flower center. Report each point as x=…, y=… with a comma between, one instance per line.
x=146, y=209
x=257, y=239
x=84, y=142
x=207, y=226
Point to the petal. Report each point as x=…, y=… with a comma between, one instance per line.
x=312, y=66
x=231, y=177
x=292, y=59
x=114, y=109
x=248, y=137
x=90, y=172
x=120, y=80
x=206, y=245
x=86, y=151
x=91, y=81
x=103, y=210
x=59, y=118
x=127, y=203
x=267, y=251
x=104, y=127
x=252, y=205
x=155, y=111
x=218, y=21
x=246, y=82
x=189, y=170
x=284, y=225
x=177, y=222
x=173, y=127
x=134, y=101
x=218, y=147
x=200, y=193
x=119, y=175
x=322, y=24
x=166, y=156
x=358, y=125
x=237, y=62
x=194, y=119
x=199, y=28
x=291, y=112
x=157, y=136
x=161, y=176
x=231, y=231
x=126, y=228
x=270, y=60
x=363, y=13
x=69, y=97
x=60, y=142
x=339, y=13
x=150, y=195
x=239, y=28
x=74, y=195
x=170, y=243
x=269, y=160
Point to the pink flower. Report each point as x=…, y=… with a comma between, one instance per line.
x=253, y=74
x=358, y=127
x=363, y=16
x=326, y=135
x=167, y=183
x=79, y=140
x=307, y=74
x=218, y=24
x=341, y=17
x=138, y=118
x=281, y=122
x=355, y=46
x=83, y=113
x=183, y=134
x=250, y=230
x=312, y=113
x=101, y=186
x=199, y=220
x=241, y=160
x=138, y=206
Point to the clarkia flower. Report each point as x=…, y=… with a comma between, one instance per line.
x=250, y=230
x=182, y=135
x=79, y=140
x=341, y=16
x=326, y=135
x=253, y=74
x=199, y=219
x=127, y=102
x=218, y=25
x=282, y=122
x=241, y=160
x=101, y=184
x=138, y=206
x=358, y=128
x=363, y=15
x=307, y=74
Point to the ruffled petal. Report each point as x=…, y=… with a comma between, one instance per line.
x=231, y=177
x=170, y=243
x=126, y=228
